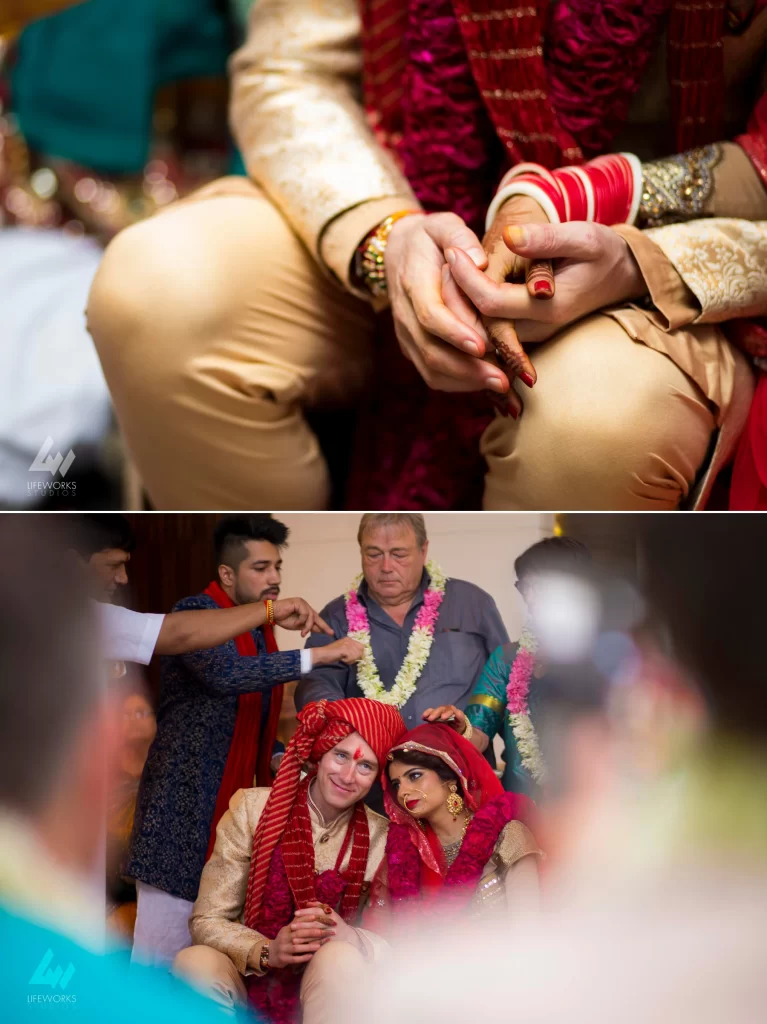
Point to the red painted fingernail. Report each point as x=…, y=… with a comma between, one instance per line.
x=543, y=286
x=513, y=413
x=526, y=379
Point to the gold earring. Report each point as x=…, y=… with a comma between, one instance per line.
x=454, y=801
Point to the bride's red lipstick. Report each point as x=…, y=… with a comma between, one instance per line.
x=410, y=804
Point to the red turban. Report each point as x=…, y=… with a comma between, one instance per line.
x=321, y=726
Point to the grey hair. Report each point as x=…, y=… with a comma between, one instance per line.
x=414, y=520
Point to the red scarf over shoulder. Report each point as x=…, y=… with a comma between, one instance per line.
x=250, y=754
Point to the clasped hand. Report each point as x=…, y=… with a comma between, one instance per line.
x=309, y=930
x=459, y=319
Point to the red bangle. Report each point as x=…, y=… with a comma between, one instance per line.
x=606, y=190
x=575, y=194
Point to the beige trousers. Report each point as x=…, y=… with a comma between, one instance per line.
x=216, y=330
x=332, y=970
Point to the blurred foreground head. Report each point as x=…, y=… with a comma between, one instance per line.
x=50, y=758
x=704, y=580
x=661, y=914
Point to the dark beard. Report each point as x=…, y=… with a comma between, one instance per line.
x=263, y=596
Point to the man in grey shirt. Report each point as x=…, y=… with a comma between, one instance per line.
x=468, y=629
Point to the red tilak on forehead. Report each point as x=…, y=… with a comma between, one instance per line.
x=357, y=753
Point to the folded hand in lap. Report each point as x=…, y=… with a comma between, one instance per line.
x=594, y=268
x=446, y=348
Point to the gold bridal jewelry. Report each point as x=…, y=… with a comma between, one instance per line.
x=451, y=850
x=413, y=792
x=454, y=801
x=263, y=958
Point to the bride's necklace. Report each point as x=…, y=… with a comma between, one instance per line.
x=451, y=850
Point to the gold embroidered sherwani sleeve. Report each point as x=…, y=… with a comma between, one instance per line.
x=220, y=902
x=722, y=261
x=678, y=326
x=298, y=119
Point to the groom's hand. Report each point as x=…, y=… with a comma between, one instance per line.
x=445, y=348
x=298, y=941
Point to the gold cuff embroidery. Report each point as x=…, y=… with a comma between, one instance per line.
x=489, y=702
x=677, y=188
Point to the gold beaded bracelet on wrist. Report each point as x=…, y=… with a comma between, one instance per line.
x=369, y=260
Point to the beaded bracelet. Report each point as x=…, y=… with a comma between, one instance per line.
x=369, y=265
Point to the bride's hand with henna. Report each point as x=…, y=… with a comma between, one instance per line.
x=342, y=932
x=595, y=268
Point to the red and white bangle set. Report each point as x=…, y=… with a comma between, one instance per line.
x=606, y=190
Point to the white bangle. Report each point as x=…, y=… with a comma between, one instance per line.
x=527, y=168
x=521, y=188
x=636, y=167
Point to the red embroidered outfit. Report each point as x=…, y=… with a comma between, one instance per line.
x=415, y=876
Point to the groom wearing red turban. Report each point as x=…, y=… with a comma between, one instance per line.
x=291, y=869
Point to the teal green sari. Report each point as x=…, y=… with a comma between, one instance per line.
x=486, y=710
x=84, y=80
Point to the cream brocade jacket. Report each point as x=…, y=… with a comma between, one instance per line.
x=298, y=119
x=510, y=877
x=217, y=915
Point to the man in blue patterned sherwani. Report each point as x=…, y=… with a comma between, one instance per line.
x=217, y=718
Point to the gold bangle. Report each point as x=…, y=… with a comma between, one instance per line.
x=263, y=958
x=369, y=260
x=269, y=612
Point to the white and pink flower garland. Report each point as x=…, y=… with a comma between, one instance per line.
x=519, y=714
x=418, y=648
